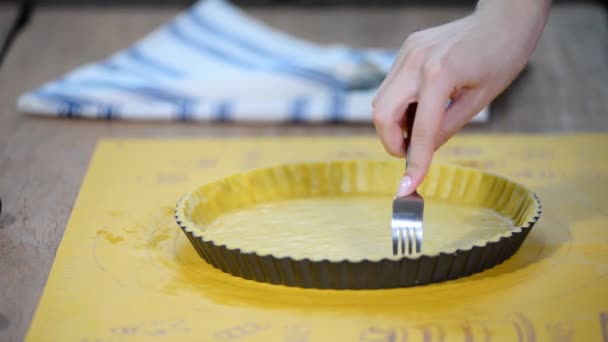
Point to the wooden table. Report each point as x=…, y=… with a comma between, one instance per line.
x=42, y=161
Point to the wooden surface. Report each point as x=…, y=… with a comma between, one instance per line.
x=42, y=161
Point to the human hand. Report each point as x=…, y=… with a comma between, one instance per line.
x=469, y=61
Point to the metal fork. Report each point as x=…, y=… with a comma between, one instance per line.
x=406, y=222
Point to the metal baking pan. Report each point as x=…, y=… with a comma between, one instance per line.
x=449, y=183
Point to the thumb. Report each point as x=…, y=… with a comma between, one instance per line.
x=461, y=111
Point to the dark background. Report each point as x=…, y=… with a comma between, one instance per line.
x=369, y=3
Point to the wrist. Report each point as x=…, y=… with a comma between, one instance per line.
x=521, y=21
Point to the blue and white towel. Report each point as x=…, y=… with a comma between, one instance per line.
x=215, y=63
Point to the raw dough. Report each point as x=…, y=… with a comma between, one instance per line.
x=353, y=228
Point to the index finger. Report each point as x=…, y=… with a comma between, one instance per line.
x=434, y=95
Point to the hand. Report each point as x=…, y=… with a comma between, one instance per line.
x=469, y=61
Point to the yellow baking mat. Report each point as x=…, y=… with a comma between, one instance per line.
x=125, y=272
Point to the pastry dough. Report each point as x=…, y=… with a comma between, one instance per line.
x=353, y=228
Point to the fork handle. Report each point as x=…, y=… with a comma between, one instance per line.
x=410, y=114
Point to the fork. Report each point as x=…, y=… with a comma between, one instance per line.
x=406, y=222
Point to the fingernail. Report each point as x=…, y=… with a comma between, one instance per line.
x=404, y=186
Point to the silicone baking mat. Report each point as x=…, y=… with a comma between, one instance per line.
x=124, y=271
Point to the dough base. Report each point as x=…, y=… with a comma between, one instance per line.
x=353, y=228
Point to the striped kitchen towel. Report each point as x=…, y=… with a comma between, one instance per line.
x=215, y=63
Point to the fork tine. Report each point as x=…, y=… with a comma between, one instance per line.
x=403, y=242
x=418, y=232
x=400, y=239
x=407, y=239
x=396, y=240
x=410, y=239
x=410, y=235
